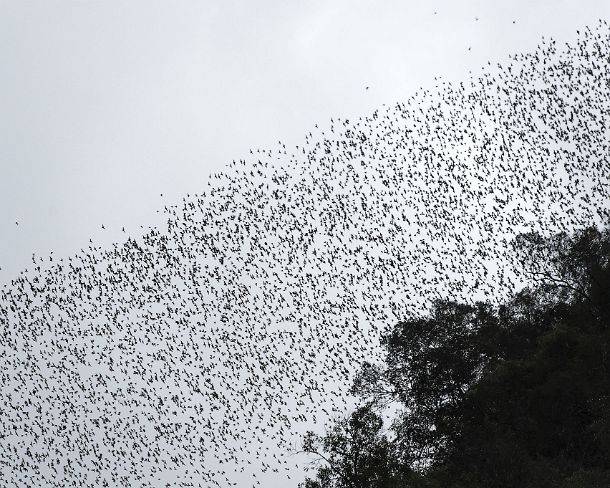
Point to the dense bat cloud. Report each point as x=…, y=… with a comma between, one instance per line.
x=193, y=355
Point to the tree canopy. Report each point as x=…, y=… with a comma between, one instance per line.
x=516, y=395
x=356, y=453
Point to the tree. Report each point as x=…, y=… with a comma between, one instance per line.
x=516, y=395
x=355, y=453
x=573, y=268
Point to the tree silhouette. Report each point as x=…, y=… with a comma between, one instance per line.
x=355, y=453
x=516, y=395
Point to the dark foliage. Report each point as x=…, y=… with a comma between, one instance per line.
x=509, y=396
x=356, y=454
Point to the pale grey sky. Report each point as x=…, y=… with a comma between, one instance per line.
x=107, y=104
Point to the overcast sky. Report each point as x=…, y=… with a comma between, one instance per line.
x=107, y=104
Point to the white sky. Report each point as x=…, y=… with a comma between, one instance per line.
x=104, y=105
